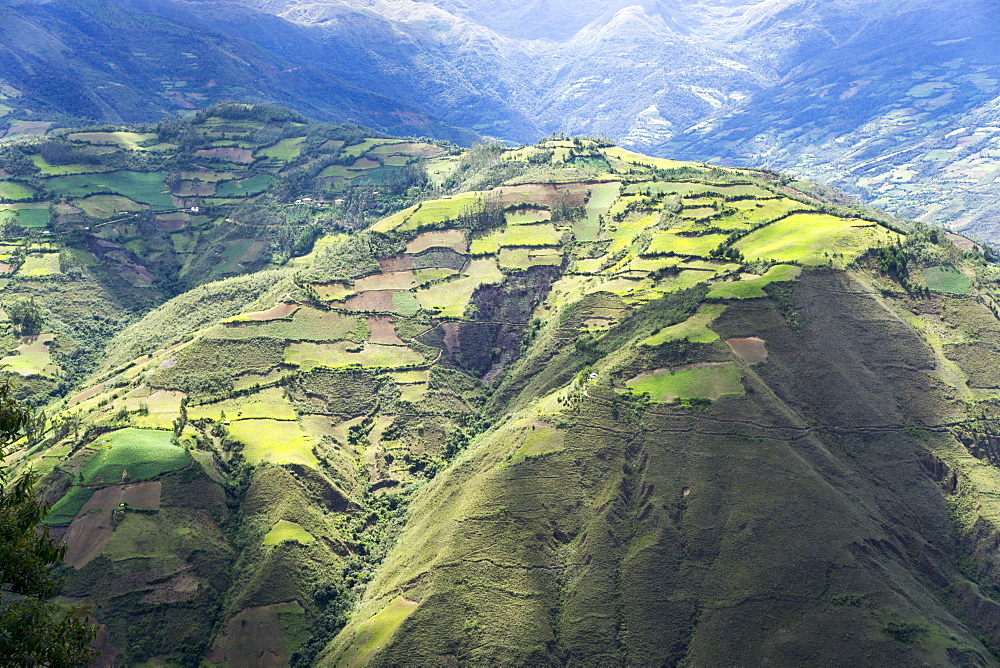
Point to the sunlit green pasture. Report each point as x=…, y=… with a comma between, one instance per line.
x=699, y=381
x=32, y=358
x=753, y=288
x=947, y=279
x=30, y=214
x=257, y=183
x=107, y=206
x=145, y=187
x=285, y=150
x=275, y=441
x=285, y=531
x=40, y=264
x=127, y=140
x=11, y=190
x=427, y=213
x=268, y=403
x=694, y=329
x=814, y=238
x=667, y=242
x=131, y=455
x=372, y=634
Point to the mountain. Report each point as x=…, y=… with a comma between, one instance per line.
x=563, y=403
x=894, y=102
x=114, y=61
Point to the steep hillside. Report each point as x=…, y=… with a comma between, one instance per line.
x=99, y=225
x=137, y=60
x=593, y=407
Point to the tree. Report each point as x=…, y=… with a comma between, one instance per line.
x=33, y=630
x=25, y=316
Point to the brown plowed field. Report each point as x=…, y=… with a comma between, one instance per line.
x=89, y=533
x=87, y=538
x=172, y=222
x=86, y=394
x=180, y=588
x=373, y=300
x=751, y=349
x=401, y=262
x=252, y=638
x=278, y=312
x=451, y=338
x=383, y=330
x=144, y=495
x=543, y=194
x=398, y=280
x=454, y=239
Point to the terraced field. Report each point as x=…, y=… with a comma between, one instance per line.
x=404, y=445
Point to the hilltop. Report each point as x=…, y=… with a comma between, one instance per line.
x=555, y=403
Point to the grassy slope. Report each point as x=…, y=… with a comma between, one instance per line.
x=736, y=536
x=586, y=525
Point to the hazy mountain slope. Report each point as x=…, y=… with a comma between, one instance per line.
x=603, y=408
x=898, y=107
x=858, y=94
x=111, y=60
x=862, y=95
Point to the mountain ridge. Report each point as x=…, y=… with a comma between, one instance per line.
x=561, y=402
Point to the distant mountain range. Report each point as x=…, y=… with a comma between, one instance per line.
x=896, y=102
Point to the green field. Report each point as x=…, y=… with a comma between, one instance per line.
x=269, y=403
x=451, y=298
x=285, y=531
x=813, y=238
x=307, y=324
x=405, y=304
x=107, y=206
x=10, y=190
x=145, y=187
x=665, y=243
x=33, y=358
x=709, y=381
x=426, y=276
x=753, y=288
x=254, y=185
x=947, y=279
x=63, y=170
x=33, y=215
x=523, y=258
x=275, y=441
x=131, y=455
x=285, y=150
x=358, y=150
x=694, y=329
x=540, y=234
x=127, y=140
x=427, y=213
x=235, y=253
x=64, y=510
x=372, y=634
x=602, y=197
x=40, y=264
